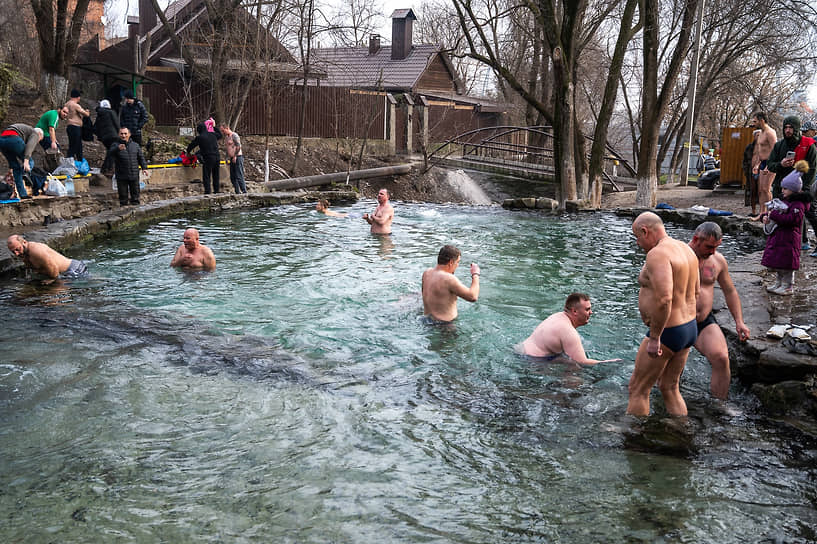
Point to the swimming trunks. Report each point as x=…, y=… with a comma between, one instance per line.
x=76, y=269
x=428, y=320
x=708, y=320
x=679, y=337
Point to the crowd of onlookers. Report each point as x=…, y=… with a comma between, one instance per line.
x=120, y=131
x=780, y=185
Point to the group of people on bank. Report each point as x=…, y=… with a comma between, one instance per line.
x=120, y=131
x=780, y=178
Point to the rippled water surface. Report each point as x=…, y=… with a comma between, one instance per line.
x=294, y=396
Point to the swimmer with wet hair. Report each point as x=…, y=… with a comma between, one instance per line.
x=556, y=337
x=45, y=261
x=323, y=207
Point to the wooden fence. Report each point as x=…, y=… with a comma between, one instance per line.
x=331, y=112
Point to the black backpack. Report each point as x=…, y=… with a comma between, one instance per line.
x=87, y=129
x=6, y=191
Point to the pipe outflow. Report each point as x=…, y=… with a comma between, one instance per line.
x=325, y=179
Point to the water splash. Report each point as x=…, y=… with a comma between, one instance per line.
x=468, y=189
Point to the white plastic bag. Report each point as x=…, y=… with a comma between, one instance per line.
x=55, y=187
x=113, y=182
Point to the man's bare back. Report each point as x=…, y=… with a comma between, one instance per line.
x=440, y=287
x=39, y=257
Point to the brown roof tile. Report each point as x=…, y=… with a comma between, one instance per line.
x=355, y=67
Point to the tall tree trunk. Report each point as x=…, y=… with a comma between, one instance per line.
x=653, y=103
x=563, y=127
x=598, y=150
x=58, y=35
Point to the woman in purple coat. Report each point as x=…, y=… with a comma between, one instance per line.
x=784, y=222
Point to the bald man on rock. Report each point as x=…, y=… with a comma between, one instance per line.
x=670, y=284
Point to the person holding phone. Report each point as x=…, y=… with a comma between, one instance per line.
x=787, y=151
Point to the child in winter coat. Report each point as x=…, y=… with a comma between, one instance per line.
x=782, y=252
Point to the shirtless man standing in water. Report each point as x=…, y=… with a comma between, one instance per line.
x=711, y=342
x=441, y=287
x=193, y=255
x=667, y=301
x=763, y=148
x=383, y=215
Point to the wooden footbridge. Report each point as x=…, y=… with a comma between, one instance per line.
x=525, y=152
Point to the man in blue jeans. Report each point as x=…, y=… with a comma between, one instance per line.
x=17, y=143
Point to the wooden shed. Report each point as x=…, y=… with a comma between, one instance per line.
x=733, y=142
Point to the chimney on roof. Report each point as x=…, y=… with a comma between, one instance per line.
x=133, y=39
x=374, y=44
x=401, y=33
x=147, y=17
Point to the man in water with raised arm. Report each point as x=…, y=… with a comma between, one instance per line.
x=557, y=336
x=193, y=255
x=441, y=287
x=711, y=342
x=383, y=215
x=667, y=301
x=45, y=261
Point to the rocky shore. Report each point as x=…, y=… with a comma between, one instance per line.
x=782, y=373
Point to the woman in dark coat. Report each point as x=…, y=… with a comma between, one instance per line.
x=782, y=253
x=106, y=126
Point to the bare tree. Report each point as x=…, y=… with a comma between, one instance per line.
x=58, y=31
x=353, y=21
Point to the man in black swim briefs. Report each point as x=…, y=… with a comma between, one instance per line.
x=711, y=342
x=669, y=288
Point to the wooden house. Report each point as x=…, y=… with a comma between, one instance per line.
x=430, y=103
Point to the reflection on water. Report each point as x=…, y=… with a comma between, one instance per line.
x=294, y=395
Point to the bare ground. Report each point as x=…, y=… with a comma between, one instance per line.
x=685, y=197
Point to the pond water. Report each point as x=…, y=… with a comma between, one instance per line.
x=294, y=395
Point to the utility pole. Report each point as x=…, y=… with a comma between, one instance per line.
x=693, y=85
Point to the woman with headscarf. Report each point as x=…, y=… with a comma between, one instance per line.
x=106, y=126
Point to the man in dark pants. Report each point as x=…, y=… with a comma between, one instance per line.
x=17, y=143
x=802, y=147
x=128, y=159
x=207, y=142
x=74, y=124
x=134, y=116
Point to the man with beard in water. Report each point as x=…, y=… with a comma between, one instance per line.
x=193, y=255
x=381, y=218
